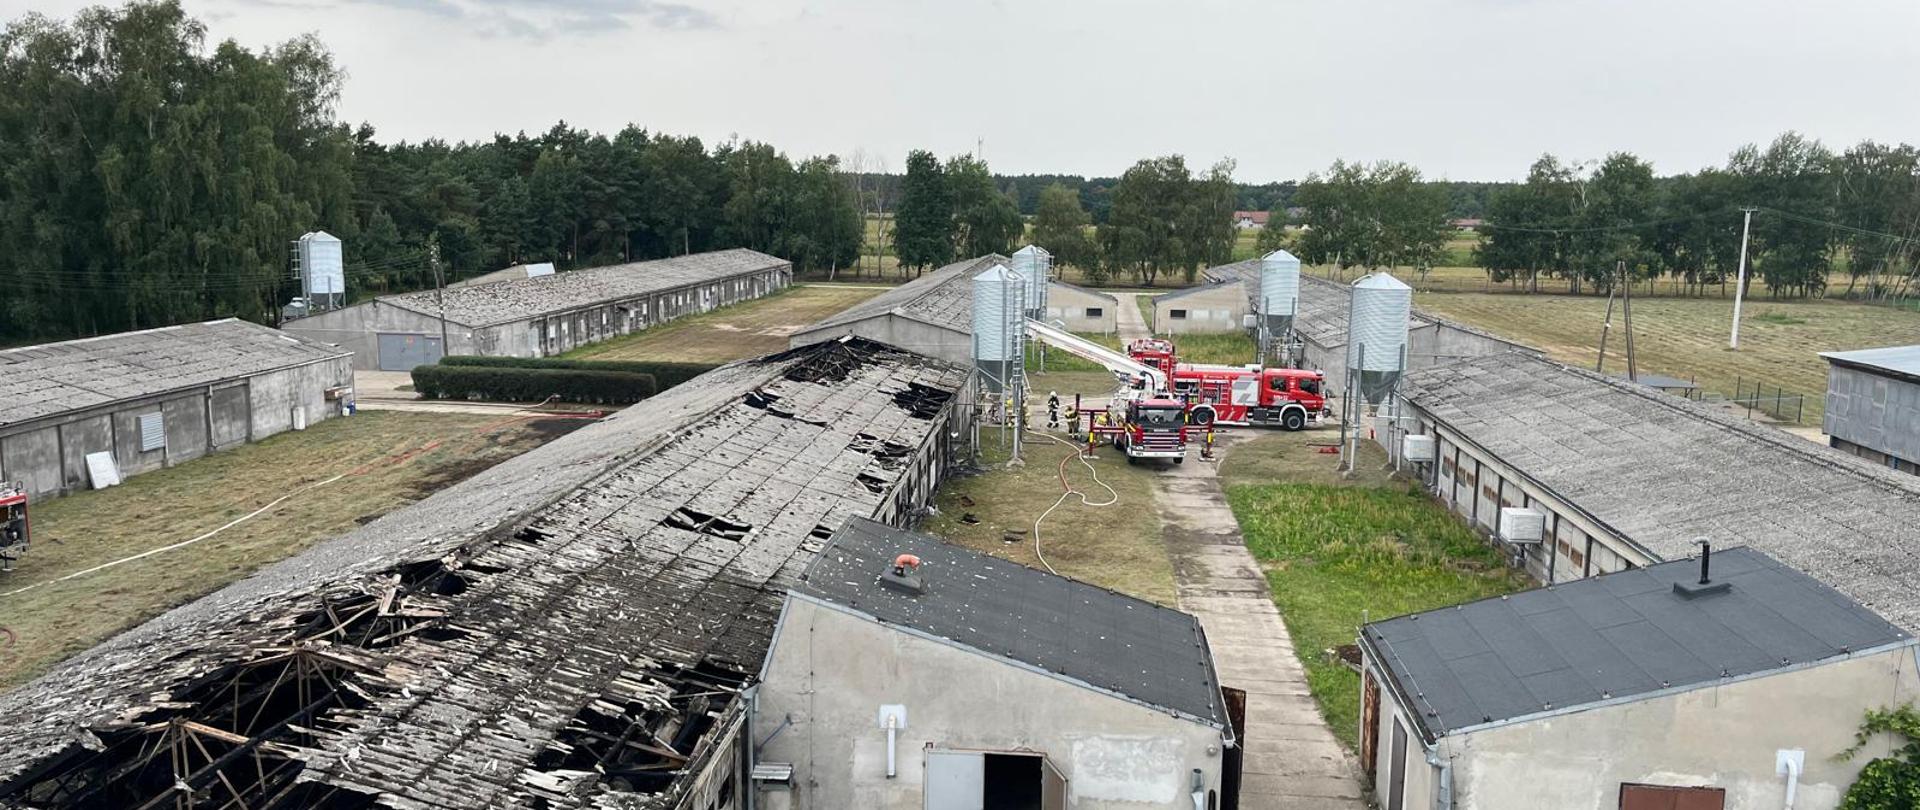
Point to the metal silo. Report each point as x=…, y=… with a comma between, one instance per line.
x=999, y=324
x=323, y=278
x=1031, y=262
x=1279, y=303
x=1377, y=335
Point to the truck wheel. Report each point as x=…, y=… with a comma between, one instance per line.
x=1180, y=460
x=1203, y=415
x=1295, y=419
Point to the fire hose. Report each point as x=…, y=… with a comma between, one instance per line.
x=1068, y=490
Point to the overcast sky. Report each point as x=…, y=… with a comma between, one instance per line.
x=1464, y=89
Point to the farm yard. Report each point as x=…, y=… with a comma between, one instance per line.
x=385, y=460
x=747, y=329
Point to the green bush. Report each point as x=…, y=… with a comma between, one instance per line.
x=512, y=384
x=667, y=375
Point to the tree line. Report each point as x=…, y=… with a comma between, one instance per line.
x=1815, y=211
x=146, y=180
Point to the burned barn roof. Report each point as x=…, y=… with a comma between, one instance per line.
x=570, y=628
x=1660, y=471
x=54, y=378
x=1616, y=637
x=942, y=297
x=1108, y=641
x=520, y=299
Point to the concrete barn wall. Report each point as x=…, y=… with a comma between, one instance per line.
x=1071, y=306
x=1873, y=411
x=919, y=337
x=49, y=455
x=1722, y=736
x=1475, y=484
x=830, y=671
x=357, y=328
x=1215, y=309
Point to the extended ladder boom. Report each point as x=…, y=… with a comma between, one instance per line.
x=1113, y=360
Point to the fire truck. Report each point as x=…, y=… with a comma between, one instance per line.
x=1149, y=427
x=13, y=523
x=1239, y=395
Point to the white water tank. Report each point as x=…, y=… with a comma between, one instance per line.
x=1279, y=284
x=999, y=321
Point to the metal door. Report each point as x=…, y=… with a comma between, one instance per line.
x=956, y=780
x=1053, y=787
x=400, y=352
x=1397, y=779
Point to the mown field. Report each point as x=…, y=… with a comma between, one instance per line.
x=749, y=329
x=389, y=459
x=1339, y=552
x=1687, y=337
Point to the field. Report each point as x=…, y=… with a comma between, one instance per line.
x=389, y=459
x=1687, y=337
x=748, y=329
x=1340, y=552
x=1117, y=546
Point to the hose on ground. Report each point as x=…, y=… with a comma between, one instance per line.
x=1113, y=496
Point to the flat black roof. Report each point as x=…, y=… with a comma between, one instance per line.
x=1131, y=647
x=1615, y=636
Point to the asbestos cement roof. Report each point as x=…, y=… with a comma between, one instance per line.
x=1899, y=361
x=942, y=298
x=1661, y=471
x=627, y=575
x=520, y=299
x=1109, y=641
x=1079, y=289
x=58, y=378
x=1324, y=304
x=1616, y=637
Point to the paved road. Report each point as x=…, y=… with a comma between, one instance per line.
x=1292, y=760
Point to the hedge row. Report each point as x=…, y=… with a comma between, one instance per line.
x=667, y=375
x=506, y=384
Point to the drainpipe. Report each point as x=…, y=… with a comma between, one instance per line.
x=893, y=729
x=1788, y=762
x=1442, y=779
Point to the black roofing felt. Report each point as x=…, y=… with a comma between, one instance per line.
x=1151, y=654
x=1615, y=636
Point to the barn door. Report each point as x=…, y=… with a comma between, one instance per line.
x=1234, y=760
x=1369, y=724
x=1397, y=769
x=1053, y=787
x=956, y=780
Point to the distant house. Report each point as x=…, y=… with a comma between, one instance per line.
x=1873, y=405
x=1250, y=220
x=974, y=682
x=1468, y=225
x=1643, y=689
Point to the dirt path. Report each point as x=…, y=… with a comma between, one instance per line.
x=1292, y=760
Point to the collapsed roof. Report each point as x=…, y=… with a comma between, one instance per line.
x=567, y=629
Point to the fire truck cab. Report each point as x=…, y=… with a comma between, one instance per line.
x=13, y=523
x=1155, y=352
x=1152, y=428
x=1291, y=398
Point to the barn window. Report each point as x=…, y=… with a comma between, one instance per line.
x=1096, y=312
x=153, y=431
x=1177, y=314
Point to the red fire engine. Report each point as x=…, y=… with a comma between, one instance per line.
x=13, y=523
x=1148, y=428
x=1239, y=395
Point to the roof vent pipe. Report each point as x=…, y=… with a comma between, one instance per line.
x=904, y=575
x=1706, y=586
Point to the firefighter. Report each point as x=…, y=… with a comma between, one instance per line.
x=1053, y=410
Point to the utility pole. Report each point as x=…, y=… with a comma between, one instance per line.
x=1600, y=364
x=1740, y=285
x=1626, y=312
x=439, y=289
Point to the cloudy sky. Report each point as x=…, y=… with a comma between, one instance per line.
x=1465, y=89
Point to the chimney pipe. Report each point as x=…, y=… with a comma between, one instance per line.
x=1706, y=559
x=1706, y=586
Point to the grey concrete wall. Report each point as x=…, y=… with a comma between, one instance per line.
x=1071, y=306
x=1876, y=412
x=830, y=671
x=49, y=455
x=1722, y=736
x=1217, y=309
x=357, y=327
x=914, y=336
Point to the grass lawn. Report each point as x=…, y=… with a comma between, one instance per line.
x=1338, y=552
x=747, y=329
x=1230, y=348
x=1145, y=301
x=1687, y=337
x=391, y=458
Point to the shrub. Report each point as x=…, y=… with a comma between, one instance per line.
x=667, y=375
x=510, y=384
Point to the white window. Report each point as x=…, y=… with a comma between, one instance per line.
x=153, y=431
